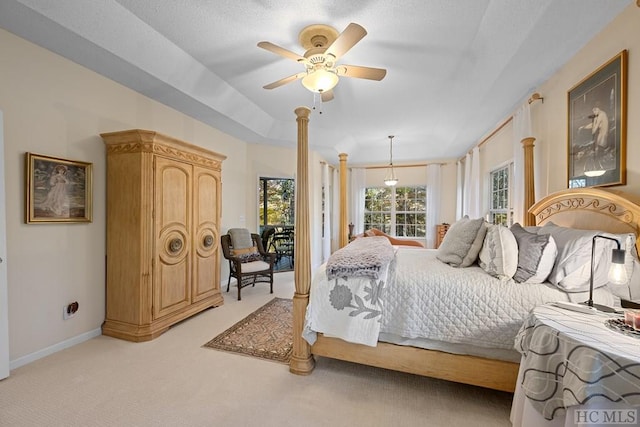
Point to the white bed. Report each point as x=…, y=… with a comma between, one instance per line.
x=432, y=305
x=594, y=209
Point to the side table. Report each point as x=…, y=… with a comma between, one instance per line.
x=573, y=363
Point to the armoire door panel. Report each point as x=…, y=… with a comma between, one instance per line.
x=206, y=241
x=172, y=278
x=173, y=192
x=168, y=297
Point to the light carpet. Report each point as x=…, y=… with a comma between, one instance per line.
x=172, y=381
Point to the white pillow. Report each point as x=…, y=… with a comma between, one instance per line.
x=572, y=271
x=499, y=253
x=462, y=243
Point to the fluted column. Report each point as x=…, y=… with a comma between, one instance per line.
x=302, y=362
x=529, y=184
x=343, y=237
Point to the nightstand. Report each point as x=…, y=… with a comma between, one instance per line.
x=441, y=230
x=573, y=365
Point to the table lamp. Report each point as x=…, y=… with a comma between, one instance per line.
x=617, y=271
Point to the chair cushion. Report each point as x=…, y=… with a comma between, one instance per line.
x=253, y=266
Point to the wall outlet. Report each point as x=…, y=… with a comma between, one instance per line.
x=70, y=310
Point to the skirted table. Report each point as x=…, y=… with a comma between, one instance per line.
x=576, y=369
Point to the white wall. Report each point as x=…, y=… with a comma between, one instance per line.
x=550, y=118
x=55, y=107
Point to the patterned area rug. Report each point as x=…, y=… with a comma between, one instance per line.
x=266, y=333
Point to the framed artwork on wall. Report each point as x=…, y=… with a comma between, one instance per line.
x=598, y=127
x=57, y=190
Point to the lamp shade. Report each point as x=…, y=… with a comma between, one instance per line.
x=320, y=80
x=617, y=271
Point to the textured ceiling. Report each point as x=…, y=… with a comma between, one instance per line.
x=455, y=68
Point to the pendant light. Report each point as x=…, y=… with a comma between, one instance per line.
x=391, y=179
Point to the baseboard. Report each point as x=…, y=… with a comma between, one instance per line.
x=24, y=360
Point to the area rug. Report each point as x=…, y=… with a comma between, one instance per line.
x=266, y=333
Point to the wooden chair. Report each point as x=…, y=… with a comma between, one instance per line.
x=248, y=272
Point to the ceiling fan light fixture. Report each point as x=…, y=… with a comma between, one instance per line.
x=320, y=80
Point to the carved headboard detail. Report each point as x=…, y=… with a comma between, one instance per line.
x=591, y=209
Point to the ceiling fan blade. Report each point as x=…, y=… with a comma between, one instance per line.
x=361, y=72
x=284, y=81
x=281, y=51
x=346, y=40
x=327, y=96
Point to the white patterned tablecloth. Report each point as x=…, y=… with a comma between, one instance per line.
x=571, y=358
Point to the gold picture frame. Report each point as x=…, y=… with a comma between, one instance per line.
x=58, y=190
x=597, y=127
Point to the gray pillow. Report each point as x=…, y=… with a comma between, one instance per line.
x=462, y=243
x=536, y=255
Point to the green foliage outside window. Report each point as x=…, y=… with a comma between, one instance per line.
x=398, y=211
x=276, y=201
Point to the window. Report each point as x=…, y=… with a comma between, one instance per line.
x=276, y=201
x=398, y=211
x=500, y=210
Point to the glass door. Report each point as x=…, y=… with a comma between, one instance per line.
x=276, y=211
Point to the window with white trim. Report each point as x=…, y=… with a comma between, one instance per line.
x=500, y=206
x=398, y=211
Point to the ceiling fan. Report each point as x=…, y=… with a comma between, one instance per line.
x=324, y=47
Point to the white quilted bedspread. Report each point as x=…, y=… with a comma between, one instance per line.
x=430, y=299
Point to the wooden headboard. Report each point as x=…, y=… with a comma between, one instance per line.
x=591, y=209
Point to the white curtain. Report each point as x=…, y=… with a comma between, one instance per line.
x=475, y=210
x=326, y=230
x=335, y=214
x=472, y=201
x=358, y=184
x=434, y=176
x=459, y=189
x=521, y=130
x=466, y=200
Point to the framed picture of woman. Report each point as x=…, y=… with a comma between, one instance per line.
x=58, y=190
x=597, y=127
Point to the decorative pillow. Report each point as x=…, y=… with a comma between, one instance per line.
x=462, y=243
x=250, y=257
x=240, y=238
x=536, y=255
x=499, y=253
x=242, y=245
x=572, y=270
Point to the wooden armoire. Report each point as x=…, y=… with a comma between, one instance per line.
x=163, y=238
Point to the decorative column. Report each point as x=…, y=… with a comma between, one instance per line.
x=529, y=184
x=343, y=238
x=302, y=362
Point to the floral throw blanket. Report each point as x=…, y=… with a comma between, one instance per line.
x=351, y=306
